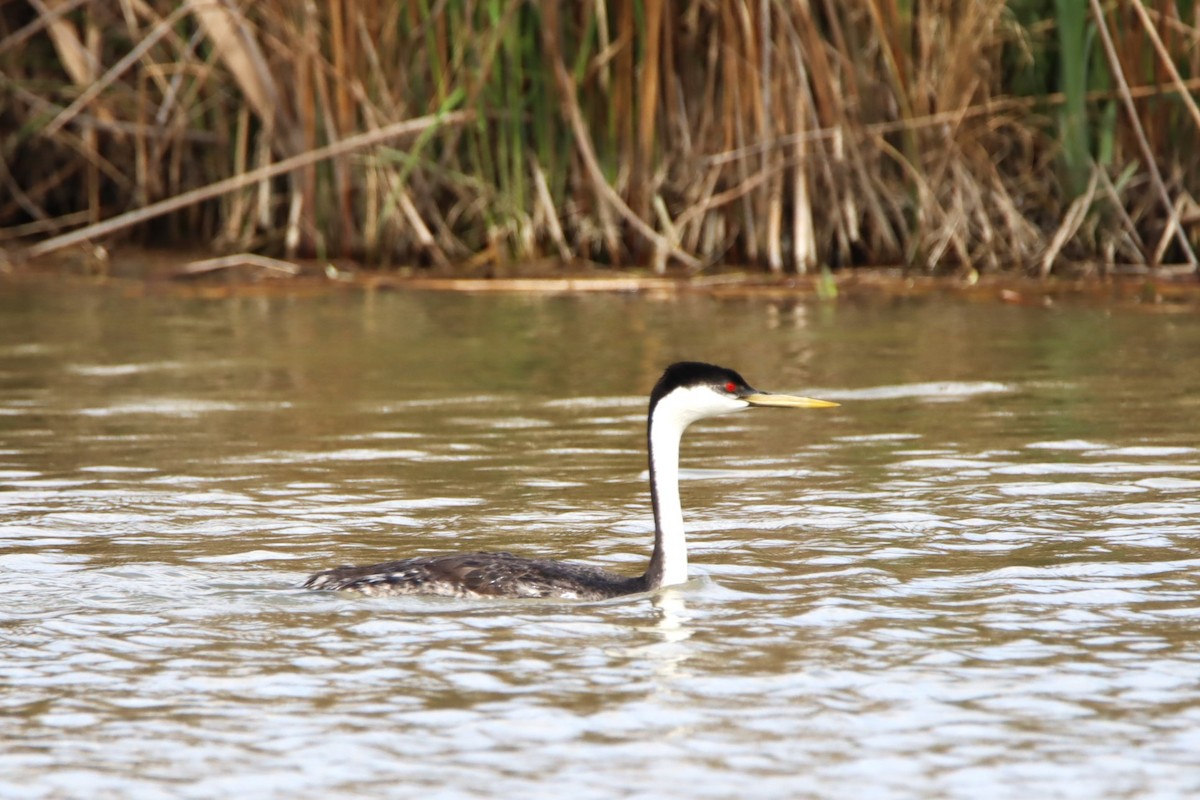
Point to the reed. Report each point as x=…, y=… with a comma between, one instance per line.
x=795, y=135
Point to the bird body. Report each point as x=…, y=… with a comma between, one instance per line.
x=687, y=391
x=481, y=575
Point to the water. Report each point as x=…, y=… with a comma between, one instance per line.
x=977, y=578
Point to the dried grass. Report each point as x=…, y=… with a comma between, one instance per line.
x=941, y=135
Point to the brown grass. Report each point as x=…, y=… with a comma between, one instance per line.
x=794, y=135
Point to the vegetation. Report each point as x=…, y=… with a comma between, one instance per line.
x=792, y=134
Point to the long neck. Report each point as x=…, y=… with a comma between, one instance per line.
x=668, y=564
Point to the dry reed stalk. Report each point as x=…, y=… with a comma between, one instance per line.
x=1127, y=224
x=186, y=199
x=141, y=143
x=88, y=134
x=239, y=202
x=1174, y=229
x=1168, y=64
x=774, y=197
x=205, y=266
x=546, y=203
x=624, y=79
x=342, y=122
x=749, y=120
x=774, y=226
x=692, y=220
x=263, y=189
x=583, y=143
x=233, y=40
x=302, y=203
x=1076, y=214
x=641, y=188
x=804, y=245
x=370, y=222
x=45, y=225
x=731, y=195
x=814, y=100
x=330, y=195
x=425, y=239
x=1139, y=134
x=97, y=86
x=76, y=59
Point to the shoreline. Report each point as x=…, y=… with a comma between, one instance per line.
x=168, y=271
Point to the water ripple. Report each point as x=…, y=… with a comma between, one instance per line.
x=993, y=596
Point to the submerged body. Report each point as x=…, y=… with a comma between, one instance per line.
x=686, y=392
x=481, y=575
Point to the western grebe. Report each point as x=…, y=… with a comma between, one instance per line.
x=686, y=392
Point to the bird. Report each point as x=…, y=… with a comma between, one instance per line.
x=687, y=391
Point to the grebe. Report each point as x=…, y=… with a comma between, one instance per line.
x=686, y=392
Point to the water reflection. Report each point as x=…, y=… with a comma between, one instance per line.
x=977, y=577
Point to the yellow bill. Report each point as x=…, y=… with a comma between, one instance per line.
x=786, y=401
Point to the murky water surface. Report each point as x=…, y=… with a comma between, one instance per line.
x=979, y=577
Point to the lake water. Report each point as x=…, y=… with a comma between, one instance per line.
x=978, y=577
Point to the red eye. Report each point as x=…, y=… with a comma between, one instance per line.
x=731, y=387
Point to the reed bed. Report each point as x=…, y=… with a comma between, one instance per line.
x=793, y=135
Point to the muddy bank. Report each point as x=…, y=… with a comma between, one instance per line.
x=1167, y=289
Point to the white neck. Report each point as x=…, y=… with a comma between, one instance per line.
x=671, y=417
x=670, y=541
